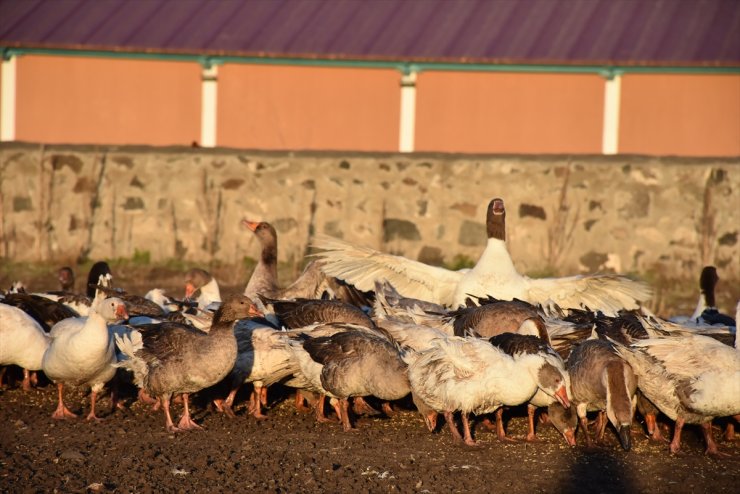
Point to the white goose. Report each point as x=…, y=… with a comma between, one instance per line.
x=209, y=296
x=494, y=275
x=472, y=376
x=690, y=378
x=23, y=341
x=81, y=352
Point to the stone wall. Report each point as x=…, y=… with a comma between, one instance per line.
x=565, y=214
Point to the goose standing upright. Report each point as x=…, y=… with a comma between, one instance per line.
x=493, y=275
x=24, y=341
x=170, y=358
x=81, y=352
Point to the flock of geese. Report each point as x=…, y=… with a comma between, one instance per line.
x=360, y=323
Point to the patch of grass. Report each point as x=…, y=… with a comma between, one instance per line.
x=460, y=261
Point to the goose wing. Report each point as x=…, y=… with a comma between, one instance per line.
x=362, y=266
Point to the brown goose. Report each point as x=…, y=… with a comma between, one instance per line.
x=358, y=363
x=499, y=316
x=303, y=312
x=300, y=313
x=170, y=358
x=602, y=381
x=205, y=285
x=312, y=283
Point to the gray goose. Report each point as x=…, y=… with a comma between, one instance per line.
x=312, y=283
x=300, y=313
x=170, y=358
x=602, y=381
x=356, y=364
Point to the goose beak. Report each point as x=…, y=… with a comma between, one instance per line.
x=252, y=225
x=498, y=206
x=430, y=420
x=625, y=437
x=562, y=396
x=255, y=312
x=189, y=290
x=121, y=312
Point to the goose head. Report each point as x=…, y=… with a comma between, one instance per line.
x=565, y=421
x=235, y=308
x=496, y=219
x=551, y=379
x=195, y=279
x=267, y=236
x=112, y=309
x=66, y=278
x=707, y=282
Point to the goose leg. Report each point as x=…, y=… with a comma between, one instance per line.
x=344, y=408
x=93, y=400
x=263, y=396
x=712, y=448
x=320, y=417
x=601, y=421
x=675, y=445
x=360, y=407
x=450, y=419
x=730, y=430
x=255, y=403
x=169, y=425
x=584, y=427
x=226, y=406
x=651, y=423
x=187, y=423
x=62, y=412
x=531, y=434
x=500, y=432
x=466, y=430
x=300, y=402
x=388, y=409
x=26, y=380
x=3, y=369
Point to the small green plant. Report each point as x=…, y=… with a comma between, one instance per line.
x=141, y=257
x=460, y=261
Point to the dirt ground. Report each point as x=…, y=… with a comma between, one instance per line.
x=130, y=451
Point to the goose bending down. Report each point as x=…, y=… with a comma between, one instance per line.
x=472, y=376
x=171, y=358
x=513, y=343
x=24, y=341
x=357, y=364
x=494, y=275
x=690, y=378
x=81, y=351
x=602, y=381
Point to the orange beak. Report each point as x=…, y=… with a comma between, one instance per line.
x=430, y=420
x=121, y=312
x=255, y=312
x=252, y=225
x=189, y=290
x=570, y=436
x=562, y=396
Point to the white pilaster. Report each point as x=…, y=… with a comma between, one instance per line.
x=408, y=113
x=209, y=105
x=612, y=95
x=7, y=99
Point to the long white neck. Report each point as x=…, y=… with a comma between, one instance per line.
x=701, y=304
x=94, y=332
x=495, y=259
